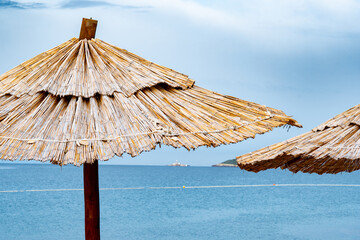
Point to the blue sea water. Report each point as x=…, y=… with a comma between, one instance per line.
x=270, y=212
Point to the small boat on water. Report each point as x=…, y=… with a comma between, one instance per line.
x=177, y=164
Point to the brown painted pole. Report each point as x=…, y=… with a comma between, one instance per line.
x=91, y=198
x=91, y=172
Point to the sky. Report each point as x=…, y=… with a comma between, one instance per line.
x=300, y=56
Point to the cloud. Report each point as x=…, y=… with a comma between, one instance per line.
x=69, y=4
x=277, y=20
x=73, y=4
x=20, y=5
x=84, y=4
x=251, y=19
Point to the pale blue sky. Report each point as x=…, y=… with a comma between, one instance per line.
x=300, y=56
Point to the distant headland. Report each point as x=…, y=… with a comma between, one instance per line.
x=227, y=163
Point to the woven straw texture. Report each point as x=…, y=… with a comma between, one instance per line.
x=332, y=147
x=85, y=68
x=87, y=100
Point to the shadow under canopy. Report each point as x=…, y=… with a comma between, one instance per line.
x=86, y=100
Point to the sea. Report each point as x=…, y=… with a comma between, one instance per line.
x=43, y=201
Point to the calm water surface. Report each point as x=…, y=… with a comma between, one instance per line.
x=299, y=212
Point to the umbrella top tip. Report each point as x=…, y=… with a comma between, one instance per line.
x=88, y=28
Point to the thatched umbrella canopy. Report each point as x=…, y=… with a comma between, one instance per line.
x=332, y=147
x=87, y=100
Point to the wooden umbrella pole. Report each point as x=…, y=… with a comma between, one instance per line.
x=91, y=198
x=91, y=170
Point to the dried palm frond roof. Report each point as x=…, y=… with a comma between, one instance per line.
x=332, y=147
x=85, y=68
x=87, y=100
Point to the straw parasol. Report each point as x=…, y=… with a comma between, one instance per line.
x=332, y=147
x=86, y=100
